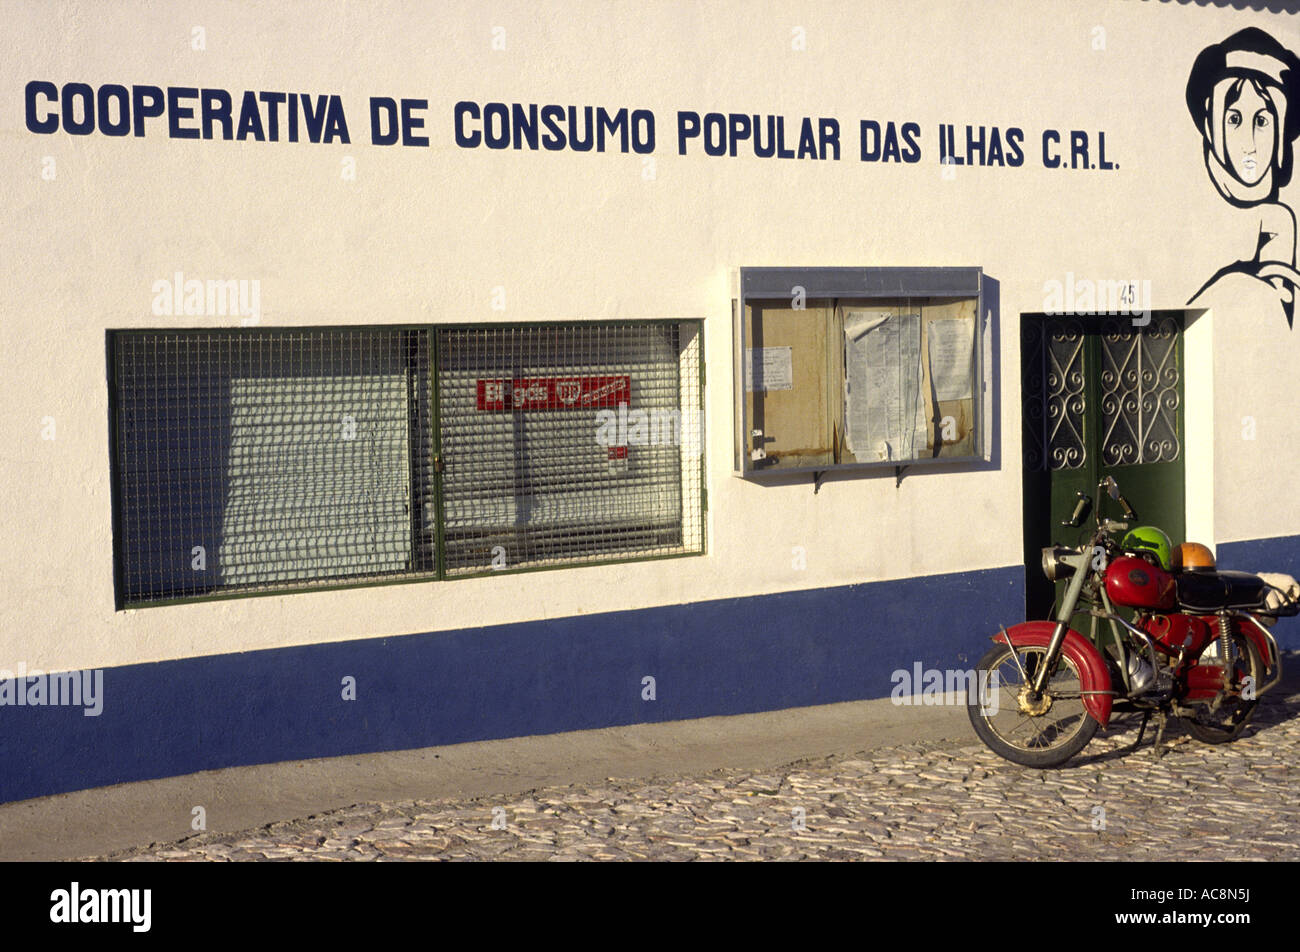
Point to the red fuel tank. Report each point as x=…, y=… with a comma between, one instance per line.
x=1136, y=583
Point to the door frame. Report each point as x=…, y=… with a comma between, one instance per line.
x=1197, y=446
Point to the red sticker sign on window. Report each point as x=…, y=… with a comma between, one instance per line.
x=553, y=393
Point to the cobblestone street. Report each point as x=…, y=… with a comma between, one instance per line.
x=914, y=802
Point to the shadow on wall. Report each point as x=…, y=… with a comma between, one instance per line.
x=261, y=458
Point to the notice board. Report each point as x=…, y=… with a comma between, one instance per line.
x=859, y=381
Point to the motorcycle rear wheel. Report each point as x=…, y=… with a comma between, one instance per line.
x=1042, y=740
x=1227, y=723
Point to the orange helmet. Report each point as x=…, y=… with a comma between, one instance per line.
x=1193, y=557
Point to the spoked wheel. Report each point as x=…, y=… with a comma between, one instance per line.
x=1034, y=732
x=1234, y=713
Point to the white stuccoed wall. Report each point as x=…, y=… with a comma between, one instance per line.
x=425, y=234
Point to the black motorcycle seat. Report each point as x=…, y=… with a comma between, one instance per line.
x=1213, y=591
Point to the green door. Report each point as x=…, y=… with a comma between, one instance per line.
x=1101, y=397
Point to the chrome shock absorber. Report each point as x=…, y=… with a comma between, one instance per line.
x=1225, y=639
x=1225, y=656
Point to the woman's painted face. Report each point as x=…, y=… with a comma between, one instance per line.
x=1250, y=135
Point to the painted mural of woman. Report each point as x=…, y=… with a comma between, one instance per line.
x=1244, y=96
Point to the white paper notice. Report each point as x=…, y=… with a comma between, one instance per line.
x=885, y=415
x=769, y=368
x=857, y=323
x=950, y=358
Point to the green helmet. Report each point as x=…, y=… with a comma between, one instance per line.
x=1149, y=540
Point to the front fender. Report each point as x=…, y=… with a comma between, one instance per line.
x=1092, y=667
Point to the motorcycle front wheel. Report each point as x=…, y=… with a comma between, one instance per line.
x=1230, y=719
x=1043, y=732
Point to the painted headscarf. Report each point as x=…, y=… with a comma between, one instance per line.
x=1251, y=55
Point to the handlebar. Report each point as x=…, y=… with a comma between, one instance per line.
x=1106, y=534
x=1080, y=508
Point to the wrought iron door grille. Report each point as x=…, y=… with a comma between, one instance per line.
x=1055, y=400
x=1139, y=393
x=250, y=460
x=1137, y=396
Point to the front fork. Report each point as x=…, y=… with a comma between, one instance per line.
x=1069, y=603
x=1063, y=617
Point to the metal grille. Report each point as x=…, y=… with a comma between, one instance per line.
x=254, y=460
x=1139, y=392
x=569, y=443
x=1054, y=394
x=260, y=459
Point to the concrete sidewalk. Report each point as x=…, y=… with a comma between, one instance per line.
x=107, y=819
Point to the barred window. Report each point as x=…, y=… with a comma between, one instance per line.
x=250, y=460
x=568, y=442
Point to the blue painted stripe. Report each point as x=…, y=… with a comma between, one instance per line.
x=1278, y=554
x=719, y=657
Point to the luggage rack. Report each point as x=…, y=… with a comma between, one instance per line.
x=1289, y=608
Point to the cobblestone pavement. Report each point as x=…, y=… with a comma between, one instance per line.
x=1200, y=802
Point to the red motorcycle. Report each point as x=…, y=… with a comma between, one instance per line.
x=1197, y=648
